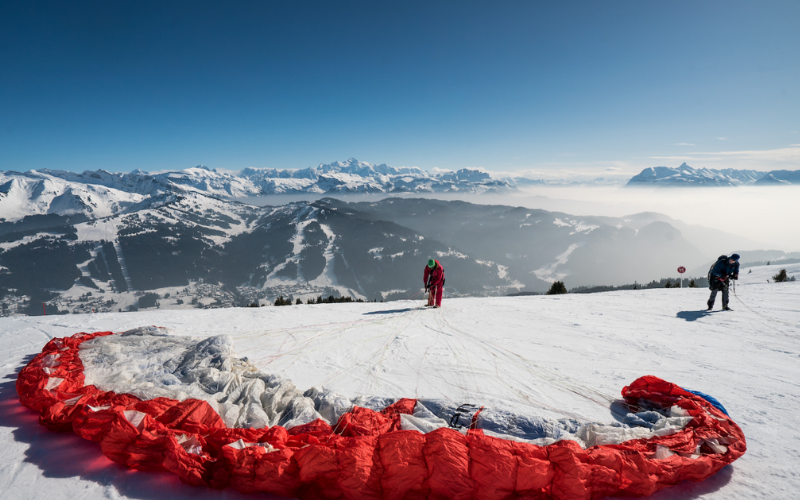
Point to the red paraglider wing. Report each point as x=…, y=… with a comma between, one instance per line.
x=366, y=454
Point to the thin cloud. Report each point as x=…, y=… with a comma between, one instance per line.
x=722, y=138
x=768, y=159
x=577, y=171
x=790, y=154
x=684, y=144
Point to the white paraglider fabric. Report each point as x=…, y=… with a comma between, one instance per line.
x=149, y=363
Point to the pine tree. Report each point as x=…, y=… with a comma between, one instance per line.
x=299, y=301
x=692, y=284
x=780, y=277
x=557, y=288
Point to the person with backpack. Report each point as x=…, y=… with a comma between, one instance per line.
x=434, y=282
x=719, y=276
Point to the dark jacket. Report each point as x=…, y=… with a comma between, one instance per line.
x=721, y=271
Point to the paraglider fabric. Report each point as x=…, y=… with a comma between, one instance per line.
x=368, y=454
x=710, y=399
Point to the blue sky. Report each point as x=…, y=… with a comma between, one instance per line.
x=506, y=86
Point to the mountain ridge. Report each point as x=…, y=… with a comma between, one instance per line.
x=101, y=193
x=687, y=176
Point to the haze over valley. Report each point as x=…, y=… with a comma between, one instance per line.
x=100, y=241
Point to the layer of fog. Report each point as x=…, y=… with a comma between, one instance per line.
x=766, y=215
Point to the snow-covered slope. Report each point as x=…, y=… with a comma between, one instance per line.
x=353, y=176
x=685, y=175
x=194, y=250
x=764, y=274
x=101, y=193
x=552, y=356
x=780, y=177
x=38, y=193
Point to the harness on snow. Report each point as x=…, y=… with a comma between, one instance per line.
x=465, y=410
x=430, y=277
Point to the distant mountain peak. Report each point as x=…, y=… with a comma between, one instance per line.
x=688, y=176
x=57, y=191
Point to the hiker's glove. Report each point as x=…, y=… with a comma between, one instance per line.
x=735, y=277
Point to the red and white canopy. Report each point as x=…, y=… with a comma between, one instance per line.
x=190, y=406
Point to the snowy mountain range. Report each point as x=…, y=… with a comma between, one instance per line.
x=686, y=176
x=116, y=237
x=189, y=249
x=44, y=187
x=94, y=194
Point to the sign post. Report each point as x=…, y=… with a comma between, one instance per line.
x=681, y=270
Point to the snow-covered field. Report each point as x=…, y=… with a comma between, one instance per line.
x=554, y=356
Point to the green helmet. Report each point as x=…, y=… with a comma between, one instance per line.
x=431, y=263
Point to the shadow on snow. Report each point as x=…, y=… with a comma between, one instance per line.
x=694, y=315
x=392, y=311
x=65, y=455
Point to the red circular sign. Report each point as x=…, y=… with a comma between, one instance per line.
x=681, y=269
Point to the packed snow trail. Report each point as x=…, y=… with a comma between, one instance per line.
x=578, y=351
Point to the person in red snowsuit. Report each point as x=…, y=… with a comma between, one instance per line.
x=434, y=282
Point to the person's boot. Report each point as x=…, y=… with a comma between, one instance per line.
x=710, y=306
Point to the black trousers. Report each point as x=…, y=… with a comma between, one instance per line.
x=713, y=297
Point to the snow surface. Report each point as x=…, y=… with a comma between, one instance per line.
x=42, y=193
x=553, y=356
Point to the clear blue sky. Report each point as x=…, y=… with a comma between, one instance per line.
x=508, y=85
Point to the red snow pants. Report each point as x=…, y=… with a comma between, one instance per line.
x=435, y=295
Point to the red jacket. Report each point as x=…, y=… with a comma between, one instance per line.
x=435, y=276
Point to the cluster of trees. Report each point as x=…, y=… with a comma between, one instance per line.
x=280, y=301
x=782, y=276
x=106, y=267
x=149, y=299
x=558, y=287
x=692, y=284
